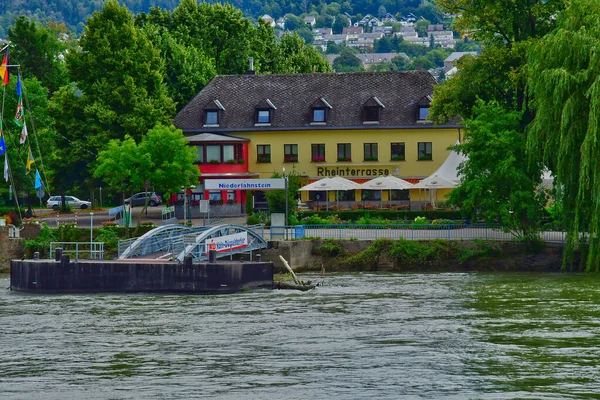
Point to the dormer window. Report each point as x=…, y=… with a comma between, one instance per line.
x=263, y=116
x=264, y=112
x=211, y=117
x=423, y=109
x=212, y=113
x=319, y=110
x=318, y=115
x=372, y=111
x=370, y=114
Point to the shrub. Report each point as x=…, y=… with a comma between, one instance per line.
x=252, y=220
x=111, y=241
x=441, y=221
x=330, y=249
x=68, y=232
x=41, y=243
x=420, y=221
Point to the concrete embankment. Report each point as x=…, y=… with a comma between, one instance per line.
x=415, y=256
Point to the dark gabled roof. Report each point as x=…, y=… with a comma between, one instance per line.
x=320, y=103
x=425, y=101
x=265, y=104
x=293, y=96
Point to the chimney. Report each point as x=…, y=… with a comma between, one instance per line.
x=250, y=66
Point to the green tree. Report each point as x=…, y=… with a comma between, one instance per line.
x=171, y=157
x=220, y=31
x=499, y=185
x=162, y=159
x=293, y=22
x=507, y=23
x=297, y=57
x=122, y=166
x=39, y=50
x=276, y=198
x=347, y=62
x=401, y=63
x=565, y=86
x=187, y=70
x=118, y=90
x=341, y=21
x=421, y=27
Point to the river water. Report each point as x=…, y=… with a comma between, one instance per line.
x=377, y=336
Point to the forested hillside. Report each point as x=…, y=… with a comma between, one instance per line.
x=73, y=13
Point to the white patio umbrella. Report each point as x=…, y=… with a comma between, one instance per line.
x=434, y=182
x=387, y=182
x=336, y=183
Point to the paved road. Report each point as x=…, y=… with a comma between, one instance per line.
x=83, y=217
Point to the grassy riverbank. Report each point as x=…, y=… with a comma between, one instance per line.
x=420, y=256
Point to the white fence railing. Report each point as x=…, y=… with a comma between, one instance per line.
x=84, y=250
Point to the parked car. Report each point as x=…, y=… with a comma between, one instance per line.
x=139, y=199
x=55, y=202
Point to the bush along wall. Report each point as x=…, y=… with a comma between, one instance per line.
x=437, y=255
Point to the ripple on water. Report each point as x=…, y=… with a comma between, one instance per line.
x=383, y=336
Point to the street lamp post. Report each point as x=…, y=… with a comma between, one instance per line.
x=286, y=196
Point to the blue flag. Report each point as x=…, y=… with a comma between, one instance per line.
x=38, y=179
x=2, y=145
x=19, y=85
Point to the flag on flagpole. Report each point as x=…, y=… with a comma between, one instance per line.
x=6, y=168
x=30, y=161
x=2, y=145
x=19, y=91
x=6, y=74
x=19, y=113
x=23, y=136
x=38, y=179
x=4, y=70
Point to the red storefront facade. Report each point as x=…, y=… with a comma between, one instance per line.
x=221, y=157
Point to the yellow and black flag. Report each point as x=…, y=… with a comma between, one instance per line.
x=30, y=161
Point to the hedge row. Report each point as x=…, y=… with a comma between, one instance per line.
x=386, y=214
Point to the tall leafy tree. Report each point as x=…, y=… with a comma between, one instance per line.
x=498, y=77
x=347, y=62
x=162, y=159
x=297, y=57
x=220, y=31
x=171, y=157
x=565, y=84
x=39, y=51
x=118, y=89
x=499, y=184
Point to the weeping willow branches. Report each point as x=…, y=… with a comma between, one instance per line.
x=564, y=71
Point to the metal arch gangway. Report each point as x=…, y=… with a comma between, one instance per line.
x=164, y=239
x=198, y=249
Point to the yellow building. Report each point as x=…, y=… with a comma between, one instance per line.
x=355, y=125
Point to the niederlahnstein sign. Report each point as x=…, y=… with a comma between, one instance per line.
x=351, y=171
